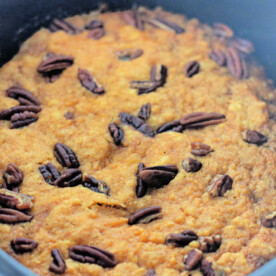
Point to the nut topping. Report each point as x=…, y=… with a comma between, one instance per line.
x=141, y=187
x=219, y=185
x=192, y=260
x=191, y=165
x=182, y=239
x=65, y=156
x=269, y=220
x=210, y=244
x=11, y=216
x=63, y=25
x=58, y=264
x=13, y=177
x=253, y=137
x=200, y=149
x=116, y=133
x=70, y=178
x=144, y=112
x=95, y=185
x=191, y=68
x=145, y=215
x=49, y=173
x=89, y=82
x=23, y=245
x=22, y=95
x=129, y=54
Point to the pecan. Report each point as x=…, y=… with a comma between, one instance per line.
x=210, y=244
x=14, y=200
x=96, y=33
x=137, y=123
x=69, y=115
x=222, y=30
x=95, y=185
x=62, y=25
x=269, y=220
x=129, y=54
x=8, y=113
x=191, y=68
x=151, y=272
x=206, y=268
x=11, y=216
x=253, y=137
x=89, y=82
x=171, y=126
x=134, y=19
x=49, y=173
x=164, y=24
x=65, y=156
x=23, y=245
x=94, y=24
x=191, y=165
x=70, y=178
x=158, y=176
x=182, y=239
x=92, y=255
x=145, y=215
x=116, y=133
x=144, y=112
x=141, y=187
x=242, y=45
x=144, y=87
x=23, y=119
x=218, y=57
x=201, y=119
x=219, y=185
x=58, y=264
x=192, y=260
x=13, y=177
x=200, y=149
x=235, y=64
x=22, y=95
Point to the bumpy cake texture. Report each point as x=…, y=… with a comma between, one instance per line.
x=137, y=143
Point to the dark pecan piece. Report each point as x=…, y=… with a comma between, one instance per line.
x=92, y=255
x=141, y=187
x=137, y=123
x=65, y=156
x=95, y=185
x=269, y=220
x=13, y=177
x=116, y=133
x=94, y=24
x=235, y=64
x=70, y=178
x=23, y=245
x=201, y=119
x=200, y=149
x=134, y=19
x=62, y=25
x=129, y=54
x=158, y=176
x=11, y=216
x=96, y=33
x=222, y=30
x=191, y=165
x=23, y=119
x=69, y=115
x=14, y=200
x=145, y=215
x=144, y=87
x=164, y=24
x=218, y=57
x=89, y=82
x=191, y=68
x=150, y=272
x=8, y=113
x=219, y=185
x=206, y=268
x=210, y=244
x=22, y=95
x=58, y=264
x=242, y=45
x=253, y=137
x=144, y=112
x=171, y=126
x=182, y=239
x=49, y=173
x=192, y=260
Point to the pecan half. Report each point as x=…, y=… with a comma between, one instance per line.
x=22, y=119
x=137, y=123
x=166, y=25
x=22, y=95
x=116, y=133
x=11, y=216
x=206, y=268
x=192, y=260
x=70, y=178
x=94, y=24
x=65, y=156
x=58, y=264
x=210, y=244
x=219, y=185
x=201, y=119
x=145, y=215
x=222, y=30
x=158, y=176
x=62, y=25
x=150, y=272
x=200, y=149
x=269, y=220
x=171, y=126
x=191, y=165
x=14, y=200
x=218, y=57
x=49, y=173
x=242, y=45
x=8, y=113
x=129, y=54
x=133, y=18
x=191, y=68
x=253, y=137
x=95, y=185
x=69, y=115
x=141, y=187
x=23, y=245
x=144, y=112
x=97, y=33
x=182, y=239
x=13, y=177
x=89, y=82
x=92, y=255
